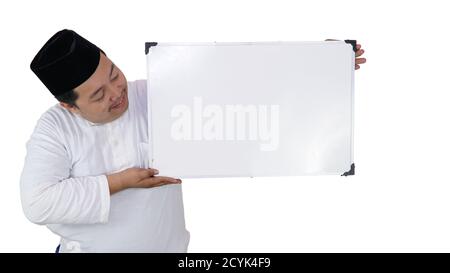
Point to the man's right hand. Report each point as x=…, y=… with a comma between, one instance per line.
x=138, y=178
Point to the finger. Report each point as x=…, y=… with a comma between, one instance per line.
x=358, y=46
x=168, y=179
x=359, y=53
x=357, y=66
x=152, y=172
x=164, y=179
x=169, y=182
x=146, y=173
x=360, y=60
x=162, y=184
x=156, y=182
x=157, y=185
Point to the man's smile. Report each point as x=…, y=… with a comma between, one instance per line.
x=120, y=103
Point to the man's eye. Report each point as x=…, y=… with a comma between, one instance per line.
x=100, y=99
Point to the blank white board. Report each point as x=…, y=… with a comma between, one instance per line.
x=250, y=109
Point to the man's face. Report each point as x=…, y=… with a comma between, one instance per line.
x=104, y=96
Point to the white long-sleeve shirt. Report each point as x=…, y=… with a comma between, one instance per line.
x=64, y=185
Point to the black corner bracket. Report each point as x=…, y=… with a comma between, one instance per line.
x=148, y=45
x=351, y=171
x=353, y=43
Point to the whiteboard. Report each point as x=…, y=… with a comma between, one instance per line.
x=250, y=109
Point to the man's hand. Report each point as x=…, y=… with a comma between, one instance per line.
x=138, y=178
x=359, y=52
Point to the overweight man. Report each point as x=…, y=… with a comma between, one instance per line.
x=86, y=174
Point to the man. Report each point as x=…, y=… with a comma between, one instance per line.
x=85, y=174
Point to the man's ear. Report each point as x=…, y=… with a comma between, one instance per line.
x=69, y=107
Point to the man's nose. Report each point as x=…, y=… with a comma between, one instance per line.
x=115, y=93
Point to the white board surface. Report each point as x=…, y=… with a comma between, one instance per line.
x=250, y=109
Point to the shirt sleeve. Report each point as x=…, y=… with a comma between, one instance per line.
x=141, y=96
x=49, y=195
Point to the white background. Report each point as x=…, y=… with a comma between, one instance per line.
x=399, y=199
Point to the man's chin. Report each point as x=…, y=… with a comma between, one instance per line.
x=111, y=118
x=119, y=114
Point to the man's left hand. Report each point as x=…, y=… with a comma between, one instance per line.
x=358, y=60
x=359, y=52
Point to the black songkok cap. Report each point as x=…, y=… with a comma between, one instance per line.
x=65, y=61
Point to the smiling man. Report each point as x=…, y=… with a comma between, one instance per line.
x=85, y=175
